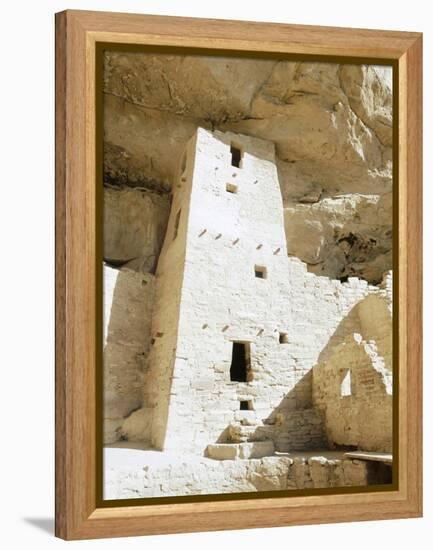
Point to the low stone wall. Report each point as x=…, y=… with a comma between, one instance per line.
x=301, y=430
x=352, y=386
x=294, y=431
x=207, y=476
x=319, y=472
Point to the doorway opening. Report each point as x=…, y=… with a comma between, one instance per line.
x=240, y=367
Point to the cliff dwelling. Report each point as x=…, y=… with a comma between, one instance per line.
x=247, y=275
x=238, y=368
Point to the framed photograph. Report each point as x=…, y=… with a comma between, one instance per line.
x=238, y=274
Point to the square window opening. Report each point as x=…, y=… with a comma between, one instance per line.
x=260, y=272
x=231, y=188
x=246, y=405
x=284, y=338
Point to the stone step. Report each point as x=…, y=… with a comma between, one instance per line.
x=296, y=430
x=239, y=433
x=238, y=451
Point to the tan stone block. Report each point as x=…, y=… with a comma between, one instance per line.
x=256, y=449
x=222, y=451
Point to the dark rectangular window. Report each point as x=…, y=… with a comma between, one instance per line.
x=236, y=156
x=260, y=272
x=284, y=338
x=246, y=405
x=240, y=366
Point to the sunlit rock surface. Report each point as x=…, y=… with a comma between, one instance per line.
x=331, y=124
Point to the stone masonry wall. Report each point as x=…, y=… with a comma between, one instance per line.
x=157, y=394
x=352, y=385
x=207, y=297
x=301, y=429
x=229, y=476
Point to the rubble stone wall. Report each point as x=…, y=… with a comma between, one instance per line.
x=352, y=386
x=230, y=476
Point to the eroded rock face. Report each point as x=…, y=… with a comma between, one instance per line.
x=332, y=126
x=135, y=221
x=342, y=236
x=128, y=303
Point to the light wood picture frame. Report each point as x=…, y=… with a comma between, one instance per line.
x=80, y=514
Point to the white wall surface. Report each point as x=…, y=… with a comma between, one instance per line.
x=27, y=275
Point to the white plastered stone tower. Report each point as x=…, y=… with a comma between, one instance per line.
x=222, y=315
